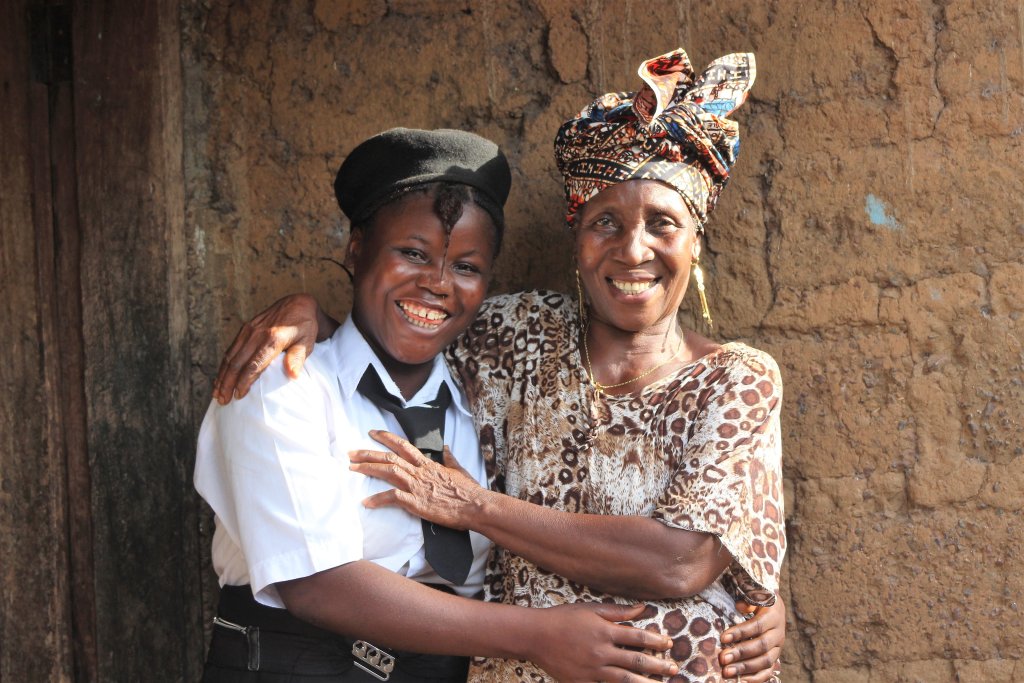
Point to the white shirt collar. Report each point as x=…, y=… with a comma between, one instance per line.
x=354, y=355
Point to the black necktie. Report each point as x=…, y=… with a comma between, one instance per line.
x=448, y=550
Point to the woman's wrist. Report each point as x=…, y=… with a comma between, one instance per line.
x=484, y=511
x=521, y=633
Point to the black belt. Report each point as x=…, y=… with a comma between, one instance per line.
x=250, y=637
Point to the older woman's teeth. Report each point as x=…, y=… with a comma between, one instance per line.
x=633, y=287
x=422, y=317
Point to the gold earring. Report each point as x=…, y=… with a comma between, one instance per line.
x=579, y=296
x=698, y=276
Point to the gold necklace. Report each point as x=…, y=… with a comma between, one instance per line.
x=602, y=388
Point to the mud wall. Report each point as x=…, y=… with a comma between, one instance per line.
x=871, y=239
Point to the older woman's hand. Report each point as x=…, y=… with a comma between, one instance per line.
x=752, y=648
x=441, y=493
x=290, y=325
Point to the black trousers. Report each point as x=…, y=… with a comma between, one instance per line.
x=276, y=647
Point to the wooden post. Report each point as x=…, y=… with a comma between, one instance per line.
x=128, y=123
x=101, y=573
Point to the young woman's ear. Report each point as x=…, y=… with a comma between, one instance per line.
x=354, y=249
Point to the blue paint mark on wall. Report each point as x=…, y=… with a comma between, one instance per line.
x=878, y=213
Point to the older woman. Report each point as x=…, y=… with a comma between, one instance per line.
x=630, y=458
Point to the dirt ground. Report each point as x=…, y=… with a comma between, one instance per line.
x=871, y=239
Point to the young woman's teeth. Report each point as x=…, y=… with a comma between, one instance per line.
x=633, y=287
x=422, y=317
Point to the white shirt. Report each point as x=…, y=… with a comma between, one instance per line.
x=274, y=468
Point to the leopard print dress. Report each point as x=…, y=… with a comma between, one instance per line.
x=699, y=450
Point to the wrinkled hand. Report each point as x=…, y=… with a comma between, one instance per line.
x=753, y=648
x=580, y=643
x=441, y=493
x=289, y=324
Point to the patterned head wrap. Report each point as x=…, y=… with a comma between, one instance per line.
x=674, y=129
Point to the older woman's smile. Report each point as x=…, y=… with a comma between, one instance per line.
x=633, y=286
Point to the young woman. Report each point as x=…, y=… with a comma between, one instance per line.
x=300, y=560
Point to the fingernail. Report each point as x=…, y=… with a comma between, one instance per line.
x=728, y=657
x=729, y=671
x=726, y=637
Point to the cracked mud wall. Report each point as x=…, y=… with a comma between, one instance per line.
x=871, y=239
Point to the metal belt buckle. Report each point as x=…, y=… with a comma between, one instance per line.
x=376, y=660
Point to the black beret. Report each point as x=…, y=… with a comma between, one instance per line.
x=403, y=157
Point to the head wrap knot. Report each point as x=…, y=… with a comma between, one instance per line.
x=674, y=129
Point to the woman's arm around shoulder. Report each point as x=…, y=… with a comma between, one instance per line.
x=291, y=325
